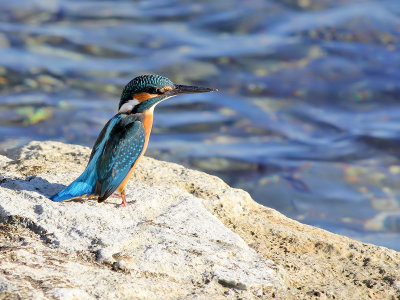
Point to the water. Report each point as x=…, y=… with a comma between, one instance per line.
x=307, y=118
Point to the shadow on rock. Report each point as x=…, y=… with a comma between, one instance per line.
x=32, y=184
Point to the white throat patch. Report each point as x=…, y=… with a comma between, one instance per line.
x=128, y=106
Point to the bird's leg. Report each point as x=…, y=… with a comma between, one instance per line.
x=123, y=198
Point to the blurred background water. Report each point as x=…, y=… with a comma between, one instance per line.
x=307, y=118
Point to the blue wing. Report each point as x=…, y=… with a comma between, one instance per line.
x=118, y=132
x=120, y=153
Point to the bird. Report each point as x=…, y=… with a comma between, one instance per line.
x=124, y=139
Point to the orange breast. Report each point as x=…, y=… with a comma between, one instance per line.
x=147, y=124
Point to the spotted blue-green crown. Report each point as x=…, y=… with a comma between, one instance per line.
x=144, y=83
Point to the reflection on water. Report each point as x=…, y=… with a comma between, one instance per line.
x=307, y=120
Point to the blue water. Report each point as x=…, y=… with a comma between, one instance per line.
x=308, y=114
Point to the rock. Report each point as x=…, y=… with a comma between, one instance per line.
x=164, y=243
x=184, y=235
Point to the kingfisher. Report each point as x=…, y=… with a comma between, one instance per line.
x=124, y=139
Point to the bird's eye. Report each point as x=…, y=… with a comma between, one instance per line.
x=160, y=91
x=154, y=90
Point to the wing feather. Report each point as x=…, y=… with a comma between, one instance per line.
x=85, y=184
x=120, y=153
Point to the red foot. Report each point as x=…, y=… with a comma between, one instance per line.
x=123, y=200
x=122, y=196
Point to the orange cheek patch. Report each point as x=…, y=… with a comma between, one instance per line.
x=144, y=96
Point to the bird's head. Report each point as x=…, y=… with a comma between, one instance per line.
x=144, y=92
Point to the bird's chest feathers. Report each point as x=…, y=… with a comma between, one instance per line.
x=148, y=123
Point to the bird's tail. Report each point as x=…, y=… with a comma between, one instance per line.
x=74, y=190
x=83, y=185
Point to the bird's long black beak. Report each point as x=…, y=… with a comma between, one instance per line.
x=189, y=89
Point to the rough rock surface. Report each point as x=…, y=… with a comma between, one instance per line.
x=184, y=235
x=165, y=243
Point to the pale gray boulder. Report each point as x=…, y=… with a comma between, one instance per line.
x=164, y=231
